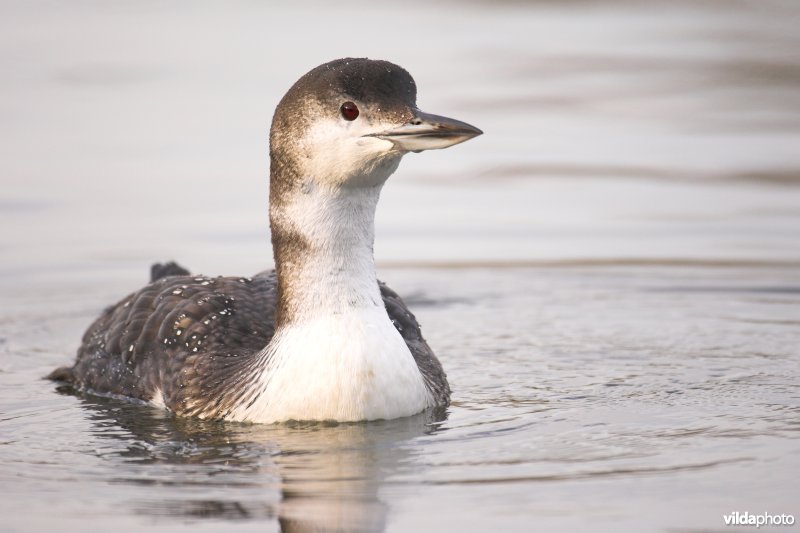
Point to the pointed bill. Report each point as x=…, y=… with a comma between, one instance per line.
x=428, y=132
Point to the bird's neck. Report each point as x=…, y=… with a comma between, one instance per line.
x=323, y=239
x=335, y=354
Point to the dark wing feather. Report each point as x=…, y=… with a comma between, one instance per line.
x=406, y=323
x=143, y=342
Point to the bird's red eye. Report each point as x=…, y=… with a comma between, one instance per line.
x=349, y=111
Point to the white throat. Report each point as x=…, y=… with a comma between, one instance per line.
x=338, y=357
x=336, y=271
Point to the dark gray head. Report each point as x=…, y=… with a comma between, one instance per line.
x=348, y=123
x=379, y=86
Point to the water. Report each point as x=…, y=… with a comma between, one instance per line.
x=609, y=275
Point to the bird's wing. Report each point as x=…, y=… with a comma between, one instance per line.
x=406, y=323
x=155, y=329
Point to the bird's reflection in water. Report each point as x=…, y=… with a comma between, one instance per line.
x=307, y=476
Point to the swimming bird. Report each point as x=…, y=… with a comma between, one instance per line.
x=318, y=337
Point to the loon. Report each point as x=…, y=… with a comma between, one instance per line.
x=319, y=338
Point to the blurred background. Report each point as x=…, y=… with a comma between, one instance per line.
x=615, y=130
x=610, y=274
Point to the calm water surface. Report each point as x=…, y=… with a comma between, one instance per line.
x=610, y=276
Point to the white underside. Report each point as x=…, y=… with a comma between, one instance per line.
x=345, y=367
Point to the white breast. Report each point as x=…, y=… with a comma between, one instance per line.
x=346, y=367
